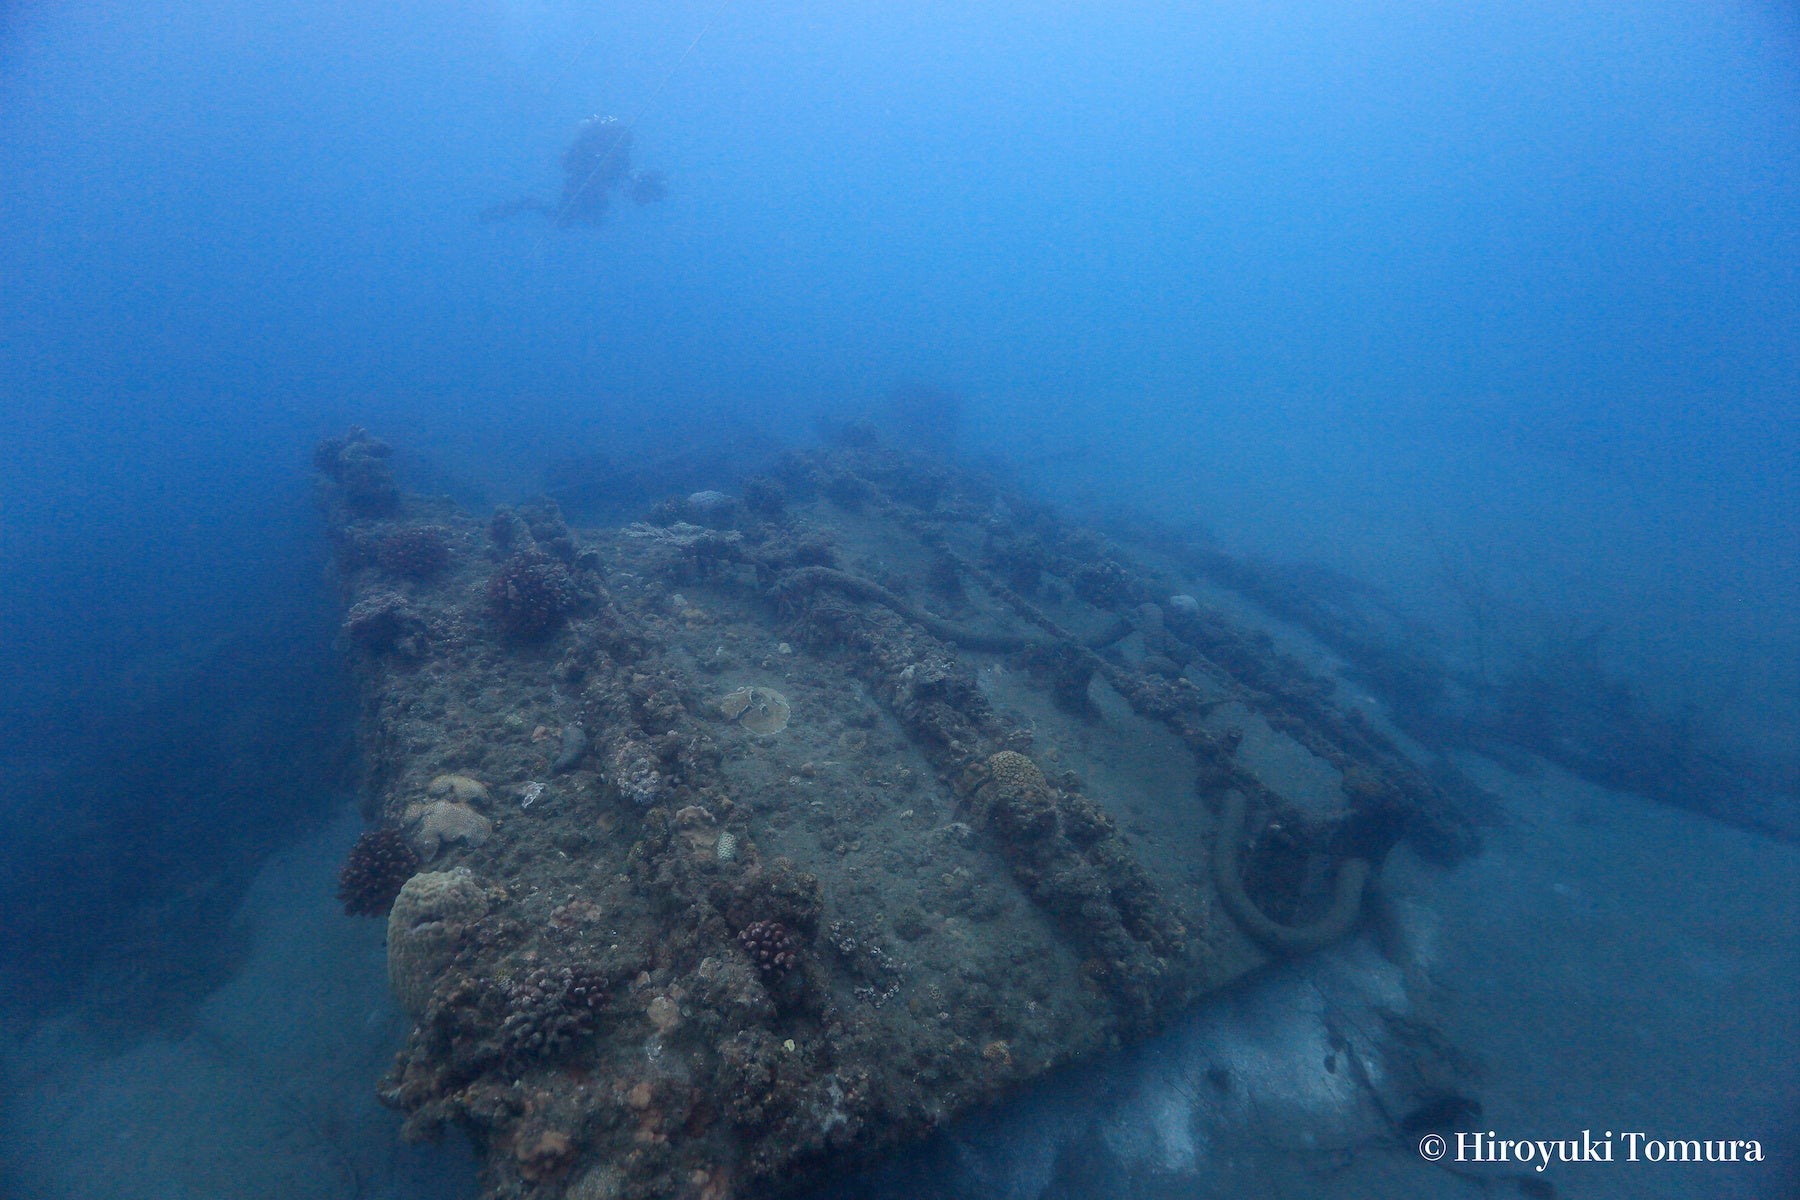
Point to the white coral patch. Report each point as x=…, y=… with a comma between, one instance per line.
x=446, y=821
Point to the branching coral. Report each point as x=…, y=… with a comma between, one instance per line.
x=416, y=552
x=548, y=1011
x=380, y=863
x=530, y=595
x=772, y=946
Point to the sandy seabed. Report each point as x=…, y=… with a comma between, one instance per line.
x=1605, y=963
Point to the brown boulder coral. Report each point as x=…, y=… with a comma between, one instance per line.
x=424, y=928
x=1016, y=800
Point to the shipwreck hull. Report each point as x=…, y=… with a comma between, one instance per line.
x=775, y=831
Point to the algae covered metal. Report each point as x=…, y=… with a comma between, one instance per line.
x=778, y=829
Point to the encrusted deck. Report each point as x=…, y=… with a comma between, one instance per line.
x=780, y=828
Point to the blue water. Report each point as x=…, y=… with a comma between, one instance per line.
x=1494, y=307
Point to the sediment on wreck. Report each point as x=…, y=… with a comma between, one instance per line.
x=771, y=831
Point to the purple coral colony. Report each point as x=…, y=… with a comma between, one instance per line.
x=727, y=847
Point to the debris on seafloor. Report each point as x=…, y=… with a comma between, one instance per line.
x=763, y=933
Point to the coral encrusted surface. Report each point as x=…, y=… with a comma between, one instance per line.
x=777, y=830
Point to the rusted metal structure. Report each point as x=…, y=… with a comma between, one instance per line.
x=782, y=827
